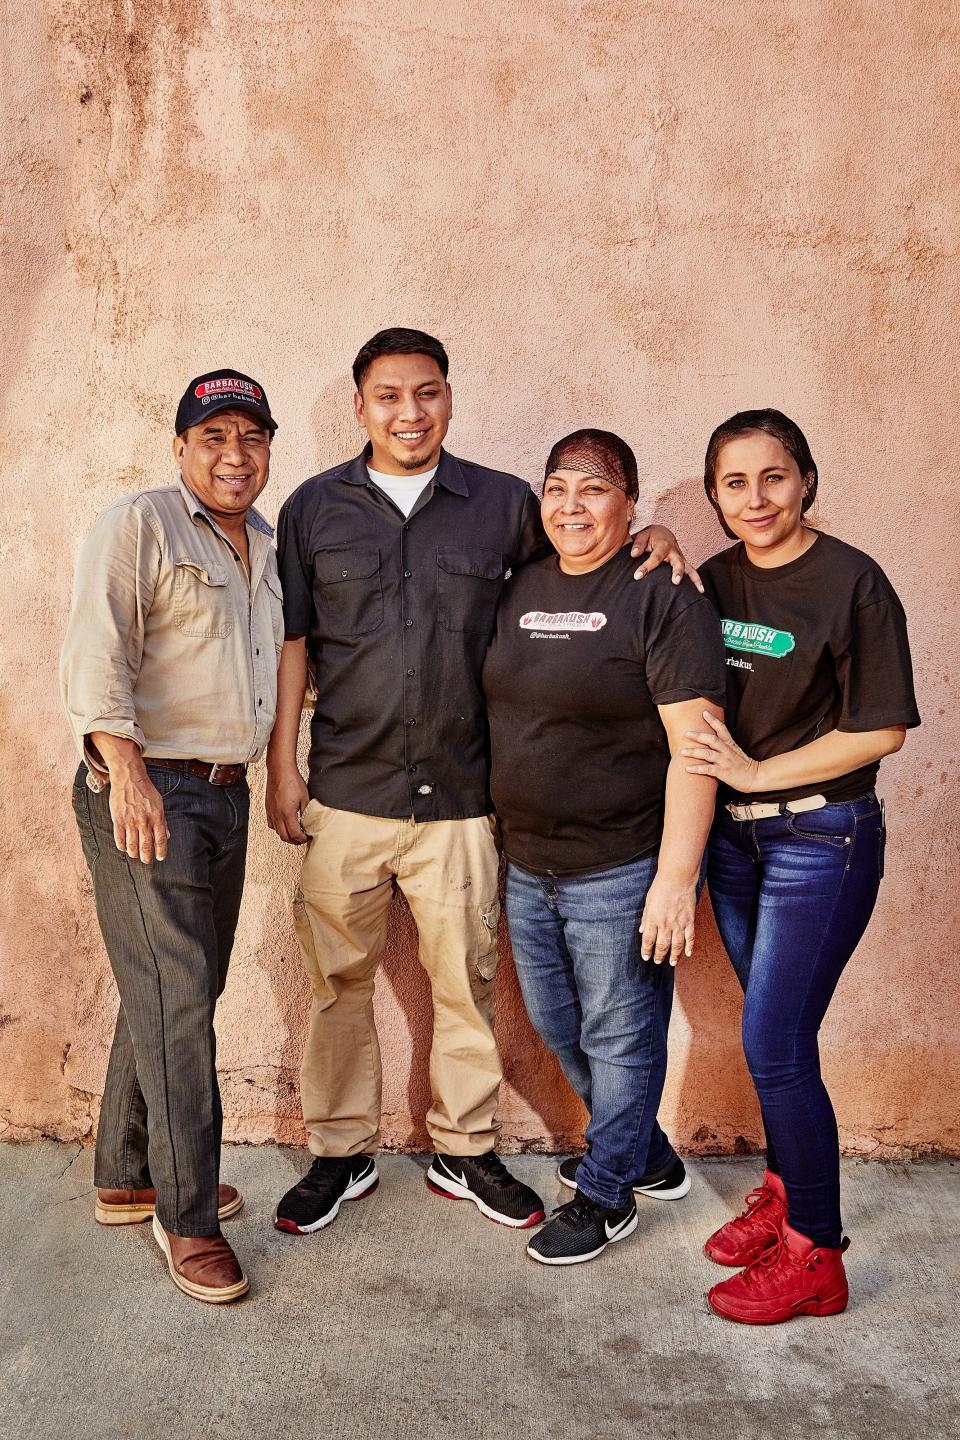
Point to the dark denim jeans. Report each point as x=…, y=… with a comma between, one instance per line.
x=602, y=1009
x=792, y=896
x=168, y=928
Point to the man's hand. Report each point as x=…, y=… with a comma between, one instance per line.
x=136, y=805
x=718, y=754
x=661, y=544
x=287, y=798
x=667, y=926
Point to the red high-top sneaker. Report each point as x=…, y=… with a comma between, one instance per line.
x=793, y=1277
x=755, y=1230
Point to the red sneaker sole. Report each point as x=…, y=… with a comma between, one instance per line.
x=810, y=1307
x=535, y=1219
x=290, y=1227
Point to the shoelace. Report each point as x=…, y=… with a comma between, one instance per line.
x=779, y=1254
x=576, y=1211
x=756, y=1200
x=318, y=1182
x=494, y=1169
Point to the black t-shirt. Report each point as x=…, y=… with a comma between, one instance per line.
x=816, y=645
x=576, y=670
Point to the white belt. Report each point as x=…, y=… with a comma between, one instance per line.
x=770, y=808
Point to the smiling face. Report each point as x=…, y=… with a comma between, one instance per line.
x=225, y=462
x=759, y=489
x=405, y=405
x=587, y=520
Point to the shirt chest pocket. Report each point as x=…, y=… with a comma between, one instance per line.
x=469, y=581
x=202, y=606
x=275, y=595
x=348, y=591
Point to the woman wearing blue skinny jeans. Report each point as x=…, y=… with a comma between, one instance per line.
x=819, y=690
x=591, y=682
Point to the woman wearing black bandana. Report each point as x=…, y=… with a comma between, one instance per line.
x=819, y=690
x=591, y=682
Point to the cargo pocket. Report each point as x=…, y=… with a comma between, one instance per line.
x=489, y=924
x=469, y=581
x=348, y=592
x=201, y=605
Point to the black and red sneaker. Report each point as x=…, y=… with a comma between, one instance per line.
x=486, y=1181
x=316, y=1199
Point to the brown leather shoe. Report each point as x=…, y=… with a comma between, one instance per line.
x=203, y=1267
x=129, y=1207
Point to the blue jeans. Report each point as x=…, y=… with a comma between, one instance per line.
x=602, y=1009
x=168, y=928
x=792, y=896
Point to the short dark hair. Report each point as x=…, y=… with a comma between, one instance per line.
x=398, y=341
x=770, y=422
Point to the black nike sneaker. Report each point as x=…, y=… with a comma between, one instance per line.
x=581, y=1230
x=315, y=1201
x=486, y=1181
x=670, y=1182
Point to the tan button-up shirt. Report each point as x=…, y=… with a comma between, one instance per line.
x=169, y=642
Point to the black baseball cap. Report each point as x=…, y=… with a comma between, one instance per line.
x=222, y=390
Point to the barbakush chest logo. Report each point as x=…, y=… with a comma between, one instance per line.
x=554, y=625
x=757, y=639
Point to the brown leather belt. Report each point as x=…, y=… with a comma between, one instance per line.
x=215, y=774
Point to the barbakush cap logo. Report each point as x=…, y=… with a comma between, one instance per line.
x=228, y=386
x=221, y=390
x=757, y=639
x=565, y=620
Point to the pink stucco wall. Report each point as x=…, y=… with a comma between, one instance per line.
x=640, y=215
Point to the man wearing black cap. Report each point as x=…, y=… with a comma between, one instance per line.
x=168, y=675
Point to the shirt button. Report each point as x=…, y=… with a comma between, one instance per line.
x=258, y=650
x=343, y=574
x=412, y=769
x=407, y=574
x=411, y=672
x=411, y=722
x=425, y=790
x=259, y=702
x=408, y=623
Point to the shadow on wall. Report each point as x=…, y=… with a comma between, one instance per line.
x=711, y=1080
x=529, y=1068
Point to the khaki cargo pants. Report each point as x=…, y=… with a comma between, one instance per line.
x=447, y=869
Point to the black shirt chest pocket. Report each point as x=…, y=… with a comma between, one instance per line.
x=469, y=581
x=348, y=591
x=202, y=606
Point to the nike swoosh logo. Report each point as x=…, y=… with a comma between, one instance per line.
x=610, y=1233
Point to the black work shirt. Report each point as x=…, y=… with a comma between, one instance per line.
x=573, y=679
x=398, y=613
x=815, y=645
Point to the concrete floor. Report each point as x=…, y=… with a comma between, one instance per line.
x=413, y=1317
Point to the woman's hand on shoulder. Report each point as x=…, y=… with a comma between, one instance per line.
x=667, y=926
x=715, y=752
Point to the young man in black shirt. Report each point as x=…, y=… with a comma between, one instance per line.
x=392, y=565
